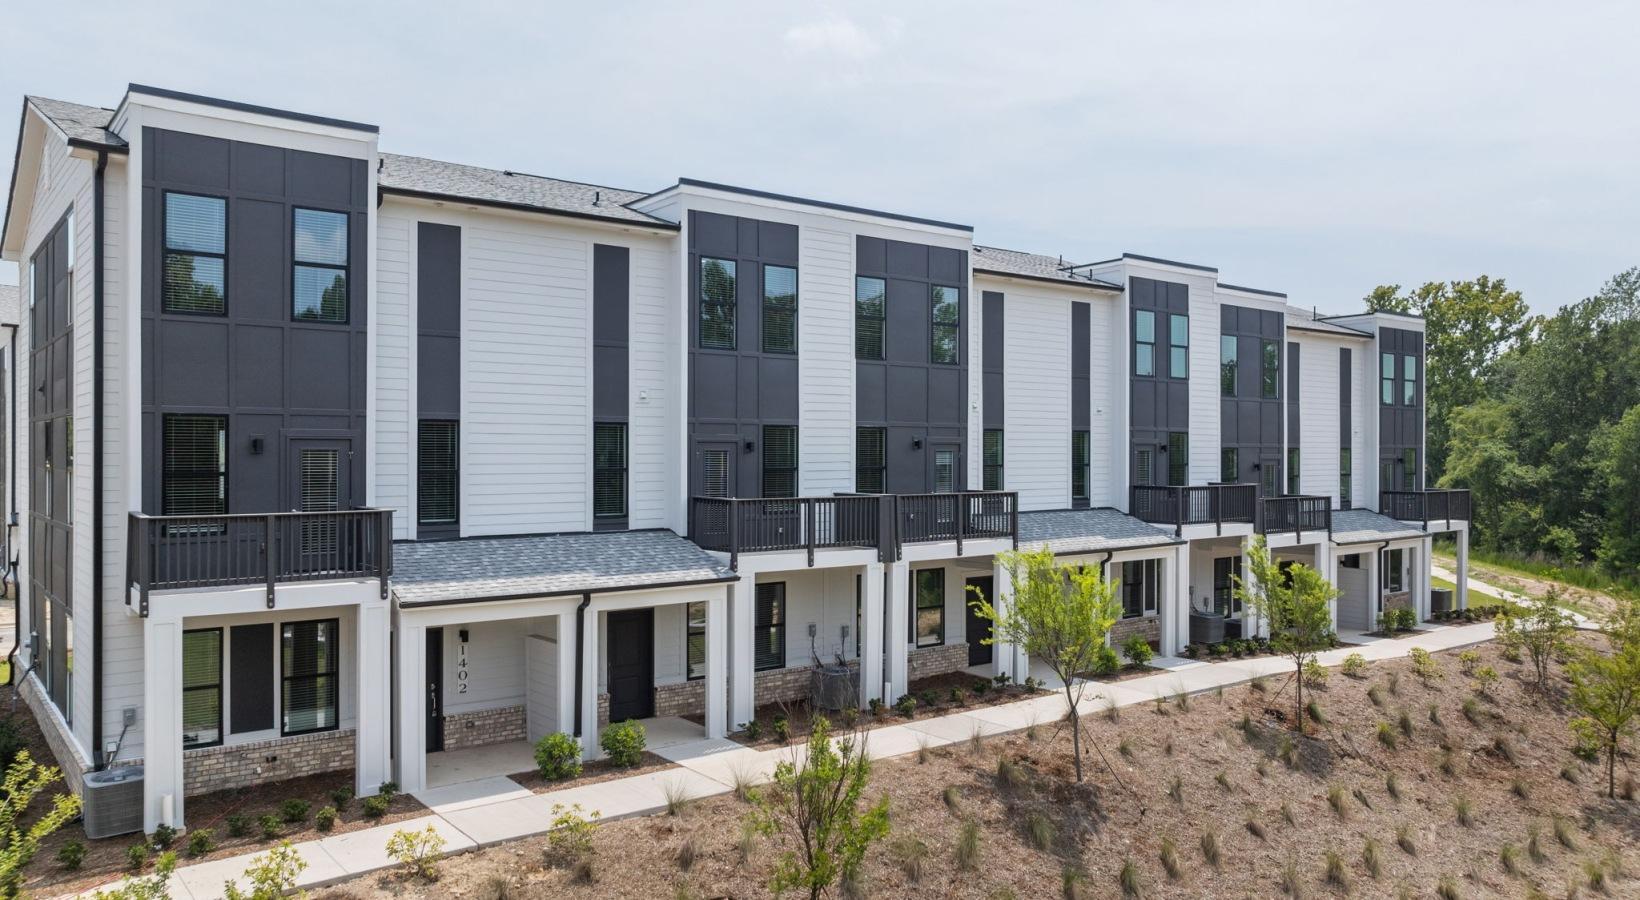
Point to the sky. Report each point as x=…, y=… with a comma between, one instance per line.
x=1313, y=148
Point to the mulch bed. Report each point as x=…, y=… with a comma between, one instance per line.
x=592, y=773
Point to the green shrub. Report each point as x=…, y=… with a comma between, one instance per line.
x=71, y=855
x=570, y=839
x=623, y=743
x=1137, y=650
x=295, y=811
x=1355, y=665
x=271, y=875
x=376, y=807
x=906, y=705
x=754, y=728
x=342, y=796
x=418, y=851
x=325, y=819
x=11, y=741
x=558, y=756
x=136, y=856
x=271, y=827
x=239, y=825
x=782, y=728
x=1105, y=661
x=200, y=842
x=1315, y=674
x=163, y=837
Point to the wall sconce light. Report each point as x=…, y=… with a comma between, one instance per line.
x=256, y=445
x=916, y=443
x=1258, y=467
x=750, y=446
x=462, y=633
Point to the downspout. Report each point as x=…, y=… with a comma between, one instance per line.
x=580, y=634
x=97, y=464
x=12, y=523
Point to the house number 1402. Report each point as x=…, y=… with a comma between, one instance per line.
x=461, y=669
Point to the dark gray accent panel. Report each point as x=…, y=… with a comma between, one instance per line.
x=1293, y=416
x=250, y=676
x=1081, y=366
x=734, y=393
x=1250, y=422
x=51, y=536
x=611, y=292
x=992, y=325
x=1159, y=404
x=1345, y=392
x=438, y=321
x=274, y=377
x=1400, y=427
x=922, y=405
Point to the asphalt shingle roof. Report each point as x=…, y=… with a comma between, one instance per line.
x=79, y=122
x=1033, y=265
x=1088, y=531
x=1304, y=319
x=1358, y=526
x=548, y=565
x=417, y=175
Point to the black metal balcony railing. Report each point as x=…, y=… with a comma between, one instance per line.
x=176, y=552
x=882, y=522
x=1298, y=514
x=1208, y=504
x=1425, y=506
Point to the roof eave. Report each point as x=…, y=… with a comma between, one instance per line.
x=1101, y=286
x=656, y=225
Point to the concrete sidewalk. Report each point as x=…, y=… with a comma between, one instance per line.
x=491, y=810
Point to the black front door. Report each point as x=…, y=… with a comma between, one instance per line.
x=435, y=690
x=978, y=628
x=631, y=664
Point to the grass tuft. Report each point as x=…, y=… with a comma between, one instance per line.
x=1509, y=859
x=910, y=854
x=1519, y=789
x=1290, y=883
x=1010, y=774
x=1447, y=888
x=1404, y=723
x=1255, y=828
x=1466, y=814
x=1505, y=750
x=1564, y=833
x=1386, y=735
x=1287, y=813
x=1403, y=839
x=1337, y=874
x=1223, y=781
x=1534, y=843
x=1125, y=748
x=1181, y=700
x=1129, y=879
x=1376, y=695
x=1041, y=830
x=1169, y=856
x=1393, y=785
x=1434, y=715
x=967, y=851
x=688, y=852
x=1335, y=799
x=952, y=795
x=1313, y=709
x=1175, y=789
x=1372, y=858
x=1210, y=848
x=1472, y=711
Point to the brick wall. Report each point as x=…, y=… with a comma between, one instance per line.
x=241, y=765
x=74, y=765
x=1147, y=627
x=938, y=660
x=1398, y=600
x=486, y=726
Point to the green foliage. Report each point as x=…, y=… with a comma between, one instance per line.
x=417, y=851
x=325, y=819
x=1606, y=688
x=271, y=875
x=1355, y=666
x=11, y=742
x=1296, y=604
x=201, y=841
x=295, y=811
x=136, y=856
x=1541, y=629
x=25, y=779
x=239, y=825
x=1137, y=650
x=342, y=796
x=623, y=743
x=1315, y=674
x=1424, y=664
x=570, y=839
x=376, y=806
x=149, y=887
x=558, y=756
x=906, y=706
x=817, y=806
x=163, y=837
x=271, y=827
x=71, y=855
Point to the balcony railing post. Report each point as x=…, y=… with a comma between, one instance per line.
x=269, y=551
x=734, y=533
x=960, y=520
x=1013, y=518
x=808, y=526
x=384, y=548
x=145, y=564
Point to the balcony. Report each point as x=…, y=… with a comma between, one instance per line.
x=1211, y=504
x=881, y=522
x=1297, y=513
x=1425, y=506
x=166, y=553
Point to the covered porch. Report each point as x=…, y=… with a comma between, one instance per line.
x=1378, y=564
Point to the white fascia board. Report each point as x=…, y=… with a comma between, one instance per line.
x=1066, y=291
x=239, y=125
x=732, y=203
x=30, y=148
x=1249, y=300
x=453, y=210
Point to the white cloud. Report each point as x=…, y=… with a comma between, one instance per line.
x=839, y=36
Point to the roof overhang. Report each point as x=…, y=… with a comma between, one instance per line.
x=477, y=205
x=1103, y=287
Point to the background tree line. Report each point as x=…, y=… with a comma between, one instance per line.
x=1539, y=416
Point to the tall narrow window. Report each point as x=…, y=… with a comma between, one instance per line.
x=319, y=282
x=1344, y=477
x=1227, y=365
x=870, y=315
x=1144, y=342
x=1409, y=381
x=320, y=471
x=717, y=303
x=196, y=254
x=780, y=460
x=1394, y=578
x=609, y=470
x=694, y=640
x=1270, y=369
x=309, y=658
x=869, y=460
x=437, y=471
x=769, y=626
x=1144, y=468
x=1178, y=458
x=202, y=688
x=1079, y=466
x=992, y=478
x=945, y=337
x=714, y=465
x=779, y=309
x=1409, y=469
x=1386, y=475
x=1139, y=588
x=1270, y=479
x=1386, y=377
x=1292, y=471
x=1229, y=470
x=945, y=471
x=194, y=481
x=1178, y=346
x=928, y=625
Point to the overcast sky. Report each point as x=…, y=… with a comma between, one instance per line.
x=1312, y=148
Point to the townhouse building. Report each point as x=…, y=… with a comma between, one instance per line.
x=383, y=458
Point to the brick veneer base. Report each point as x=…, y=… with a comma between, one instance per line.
x=241, y=765
x=1147, y=627
x=69, y=760
x=940, y=660
x=688, y=698
x=486, y=726
x=1399, y=600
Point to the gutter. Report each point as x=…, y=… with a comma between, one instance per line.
x=12, y=522
x=97, y=464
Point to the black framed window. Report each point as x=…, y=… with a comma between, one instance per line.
x=945, y=338
x=1178, y=458
x=1144, y=342
x=779, y=309
x=1140, y=583
x=1079, y=465
x=1409, y=469
x=694, y=641
x=717, y=303
x=1345, y=472
x=1229, y=465
x=992, y=460
x=870, y=459
x=1144, y=468
x=769, y=626
x=1386, y=378
x=1227, y=365
x=1393, y=578
x=779, y=461
x=1270, y=369
x=318, y=286
x=870, y=317
x=309, y=661
x=438, y=471
x=195, y=278
x=194, y=477
x=201, y=687
x=945, y=471
x=928, y=622
x=609, y=470
x=1292, y=470
x=1178, y=346
x=1409, y=381
x=1270, y=479
x=1386, y=475
x=1226, y=573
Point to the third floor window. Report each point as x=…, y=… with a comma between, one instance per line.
x=869, y=459
x=196, y=254
x=1144, y=343
x=1409, y=381
x=992, y=460
x=1386, y=377
x=319, y=280
x=194, y=480
x=1178, y=346
x=945, y=336
x=779, y=309
x=717, y=303
x=870, y=315
x=1270, y=370
x=1227, y=365
x=780, y=460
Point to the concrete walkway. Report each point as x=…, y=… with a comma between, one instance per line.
x=491, y=810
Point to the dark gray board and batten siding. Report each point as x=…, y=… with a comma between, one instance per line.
x=1400, y=427
x=611, y=352
x=1159, y=404
x=438, y=338
x=1249, y=421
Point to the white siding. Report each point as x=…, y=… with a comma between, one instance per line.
x=395, y=452
x=1318, y=438
x=825, y=303
x=651, y=467
x=494, y=664
x=1037, y=399
x=541, y=649
x=1103, y=384
x=1205, y=434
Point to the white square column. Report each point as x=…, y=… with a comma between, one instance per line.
x=1002, y=599
x=373, y=760
x=1326, y=565
x=1420, y=578
x=163, y=779
x=1461, y=595
x=589, y=685
x=1170, y=611
x=412, y=688
x=1375, y=596
x=717, y=665
x=565, y=673
x=870, y=639
x=1179, y=566
x=737, y=647
x=898, y=630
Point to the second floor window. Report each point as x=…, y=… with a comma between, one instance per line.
x=319, y=282
x=945, y=471
x=1409, y=469
x=1227, y=365
x=1178, y=458
x=1292, y=471
x=196, y=254
x=1178, y=346
x=1394, y=579
x=1079, y=466
x=1140, y=584
x=1229, y=468
x=437, y=471
x=870, y=317
x=609, y=470
x=311, y=653
x=945, y=339
x=1270, y=370
x=717, y=303
x=992, y=478
x=1144, y=468
x=869, y=459
x=780, y=460
x=1409, y=381
x=1386, y=377
x=194, y=477
x=1144, y=343
x=779, y=309
x=202, y=688
x=1344, y=474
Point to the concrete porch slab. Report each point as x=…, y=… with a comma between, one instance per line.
x=466, y=794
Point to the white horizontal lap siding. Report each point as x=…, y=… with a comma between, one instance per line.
x=526, y=373
x=825, y=341
x=494, y=669
x=1318, y=417
x=1205, y=431
x=652, y=467
x=394, y=439
x=1102, y=388
x=1037, y=400
x=122, y=683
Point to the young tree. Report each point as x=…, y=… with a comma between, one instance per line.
x=1059, y=614
x=1542, y=630
x=1296, y=604
x=816, y=800
x=18, y=844
x=1606, y=687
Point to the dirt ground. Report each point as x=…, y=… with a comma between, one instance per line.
x=1595, y=604
x=593, y=772
x=1040, y=829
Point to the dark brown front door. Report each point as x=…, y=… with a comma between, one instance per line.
x=435, y=690
x=978, y=628
x=631, y=664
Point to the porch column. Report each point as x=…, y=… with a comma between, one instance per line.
x=589, y=685
x=411, y=758
x=1326, y=565
x=1007, y=659
x=1375, y=597
x=898, y=630
x=717, y=665
x=1252, y=624
x=738, y=648
x=373, y=761
x=565, y=673
x=1420, y=578
x=870, y=638
x=1461, y=595
x=1167, y=612
x=163, y=781
x=1179, y=567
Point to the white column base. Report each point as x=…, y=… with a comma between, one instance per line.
x=565, y=674
x=163, y=782
x=871, y=636
x=738, y=647
x=1461, y=596
x=589, y=641
x=717, y=665
x=373, y=758
x=898, y=630
x=411, y=758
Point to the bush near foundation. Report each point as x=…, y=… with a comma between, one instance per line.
x=623, y=743
x=558, y=756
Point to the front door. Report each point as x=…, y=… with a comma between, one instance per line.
x=979, y=628
x=435, y=690
x=631, y=664
x=320, y=483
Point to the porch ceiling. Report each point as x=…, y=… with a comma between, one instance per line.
x=1090, y=531
x=1360, y=526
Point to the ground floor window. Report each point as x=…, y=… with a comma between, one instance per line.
x=1226, y=574
x=694, y=640
x=1393, y=561
x=309, y=657
x=202, y=688
x=1140, y=583
x=769, y=626
x=928, y=623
